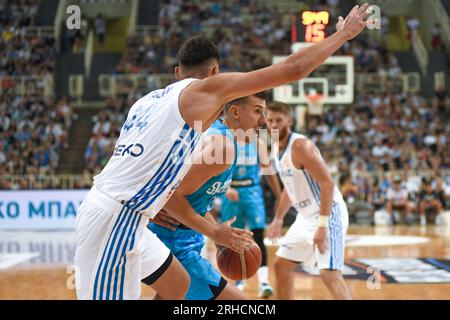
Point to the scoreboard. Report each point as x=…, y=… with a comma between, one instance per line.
x=310, y=26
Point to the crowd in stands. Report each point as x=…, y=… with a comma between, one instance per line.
x=402, y=198
x=33, y=128
x=245, y=32
x=33, y=131
x=381, y=134
x=106, y=130
x=22, y=52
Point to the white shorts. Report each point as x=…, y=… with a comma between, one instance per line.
x=297, y=244
x=115, y=250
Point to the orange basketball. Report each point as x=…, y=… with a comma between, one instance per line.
x=239, y=266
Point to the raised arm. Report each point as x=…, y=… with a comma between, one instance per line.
x=203, y=99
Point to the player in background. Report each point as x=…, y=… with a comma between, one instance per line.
x=245, y=201
x=115, y=249
x=318, y=234
x=205, y=181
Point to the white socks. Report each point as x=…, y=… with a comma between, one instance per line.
x=263, y=275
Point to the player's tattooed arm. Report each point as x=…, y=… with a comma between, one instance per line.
x=210, y=94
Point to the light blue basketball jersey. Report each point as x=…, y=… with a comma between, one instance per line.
x=202, y=199
x=246, y=171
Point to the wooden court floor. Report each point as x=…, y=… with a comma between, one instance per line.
x=57, y=282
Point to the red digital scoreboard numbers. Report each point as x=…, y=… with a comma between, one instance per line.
x=315, y=23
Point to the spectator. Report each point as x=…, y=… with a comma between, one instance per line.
x=100, y=29
x=348, y=189
x=429, y=199
x=437, y=42
x=442, y=191
x=376, y=200
x=441, y=101
x=413, y=25
x=397, y=200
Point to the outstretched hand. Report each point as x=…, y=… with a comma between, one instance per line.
x=355, y=22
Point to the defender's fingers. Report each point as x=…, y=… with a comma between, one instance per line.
x=238, y=247
x=353, y=11
x=167, y=225
x=171, y=220
x=365, y=15
x=244, y=241
x=231, y=221
x=243, y=233
x=165, y=216
x=362, y=9
x=164, y=224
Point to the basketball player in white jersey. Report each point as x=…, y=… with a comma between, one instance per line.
x=318, y=234
x=115, y=250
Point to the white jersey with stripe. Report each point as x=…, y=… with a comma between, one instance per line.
x=303, y=190
x=150, y=155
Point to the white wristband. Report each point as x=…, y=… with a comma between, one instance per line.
x=323, y=221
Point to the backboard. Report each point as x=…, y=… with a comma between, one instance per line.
x=334, y=79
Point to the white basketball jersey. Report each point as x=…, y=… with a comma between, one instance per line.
x=303, y=191
x=150, y=155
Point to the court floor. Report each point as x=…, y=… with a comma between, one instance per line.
x=383, y=262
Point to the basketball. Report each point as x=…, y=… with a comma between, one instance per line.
x=239, y=266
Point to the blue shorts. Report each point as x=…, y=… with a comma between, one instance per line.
x=250, y=210
x=206, y=282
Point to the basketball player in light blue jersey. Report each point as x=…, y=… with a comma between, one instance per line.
x=204, y=183
x=245, y=201
x=115, y=250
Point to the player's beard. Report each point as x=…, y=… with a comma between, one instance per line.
x=283, y=133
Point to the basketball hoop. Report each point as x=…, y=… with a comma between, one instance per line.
x=315, y=103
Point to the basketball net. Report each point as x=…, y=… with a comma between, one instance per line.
x=315, y=103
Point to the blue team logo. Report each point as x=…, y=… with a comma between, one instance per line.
x=135, y=150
